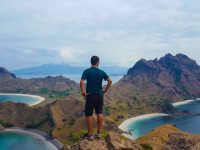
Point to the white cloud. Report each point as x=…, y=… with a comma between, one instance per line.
x=119, y=31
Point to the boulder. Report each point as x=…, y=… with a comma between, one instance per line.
x=117, y=141
x=1, y=127
x=90, y=145
x=180, y=141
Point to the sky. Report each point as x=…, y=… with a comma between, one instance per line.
x=120, y=32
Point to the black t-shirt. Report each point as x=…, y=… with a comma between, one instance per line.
x=94, y=77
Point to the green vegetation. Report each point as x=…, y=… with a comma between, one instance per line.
x=120, y=117
x=18, y=90
x=75, y=137
x=146, y=147
x=36, y=124
x=5, y=124
x=155, y=101
x=55, y=93
x=72, y=121
x=106, y=111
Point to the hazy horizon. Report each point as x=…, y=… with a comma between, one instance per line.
x=120, y=32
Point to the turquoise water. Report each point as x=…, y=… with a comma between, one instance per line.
x=20, y=141
x=186, y=123
x=18, y=98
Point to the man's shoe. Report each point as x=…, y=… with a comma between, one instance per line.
x=88, y=136
x=98, y=135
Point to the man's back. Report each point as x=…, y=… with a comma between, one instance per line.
x=94, y=77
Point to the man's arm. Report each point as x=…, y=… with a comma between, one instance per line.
x=82, y=86
x=109, y=82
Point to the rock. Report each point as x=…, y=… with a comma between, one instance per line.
x=67, y=147
x=114, y=141
x=1, y=127
x=180, y=141
x=118, y=142
x=90, y=145
x=170, y=77
x=168, y=108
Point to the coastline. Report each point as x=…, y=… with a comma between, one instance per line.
x=38, y=98
x=183, y=102
x=124, y=125
x=35, y=134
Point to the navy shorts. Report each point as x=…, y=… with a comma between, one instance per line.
x=94, y=101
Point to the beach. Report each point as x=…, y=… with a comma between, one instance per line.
x=32, y=134
x=39, y=98
x=183, y=102
x=124, y=125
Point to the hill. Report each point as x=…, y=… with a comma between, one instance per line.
x=168, y=137
x=58, y=69
x=150, y=84
x=51, y=87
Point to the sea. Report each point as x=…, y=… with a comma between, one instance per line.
x=18, y=98
x=74, y=77
x=19, y=141
x=188, y=123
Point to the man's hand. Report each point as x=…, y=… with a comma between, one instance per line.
x=108, y=85
x=104, y=91
x=85, y=94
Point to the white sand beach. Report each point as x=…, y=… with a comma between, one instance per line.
x=124, y=125
x=39, y=98
x=34, y=135
x=184, y=102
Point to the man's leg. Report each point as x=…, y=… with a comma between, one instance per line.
x=89, y=124
x=100, y=123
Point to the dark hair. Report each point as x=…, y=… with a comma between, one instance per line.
x=94, y=60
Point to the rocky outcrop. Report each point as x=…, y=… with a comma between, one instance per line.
x=114, y=141
x=168, y=108
x=4, y=73
x=168, y=137
x=1, y=127
x=180, y=141
x=119, y=142
x=90, y=145
x=171, y=77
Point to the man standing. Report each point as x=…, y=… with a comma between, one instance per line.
x=94, y=95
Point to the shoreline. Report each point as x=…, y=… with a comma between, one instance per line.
x=183, y=102
x=39, y=99
x=33, y=134
x=125, y=124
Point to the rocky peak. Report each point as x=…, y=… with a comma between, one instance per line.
x=5, y=73
x=143, y=66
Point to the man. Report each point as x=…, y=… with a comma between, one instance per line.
x=94, y=95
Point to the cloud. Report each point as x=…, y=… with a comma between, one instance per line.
x=119, y=31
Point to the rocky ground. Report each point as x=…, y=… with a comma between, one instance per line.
x=112, y=141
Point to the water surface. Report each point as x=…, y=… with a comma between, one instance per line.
x=186, y=123
x=20, y=141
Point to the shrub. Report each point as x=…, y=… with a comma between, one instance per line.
x=106, y=111
x=146, y=147
x=120, y=117
x=5, y=124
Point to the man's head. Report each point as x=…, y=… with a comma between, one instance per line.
x=94, y=60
